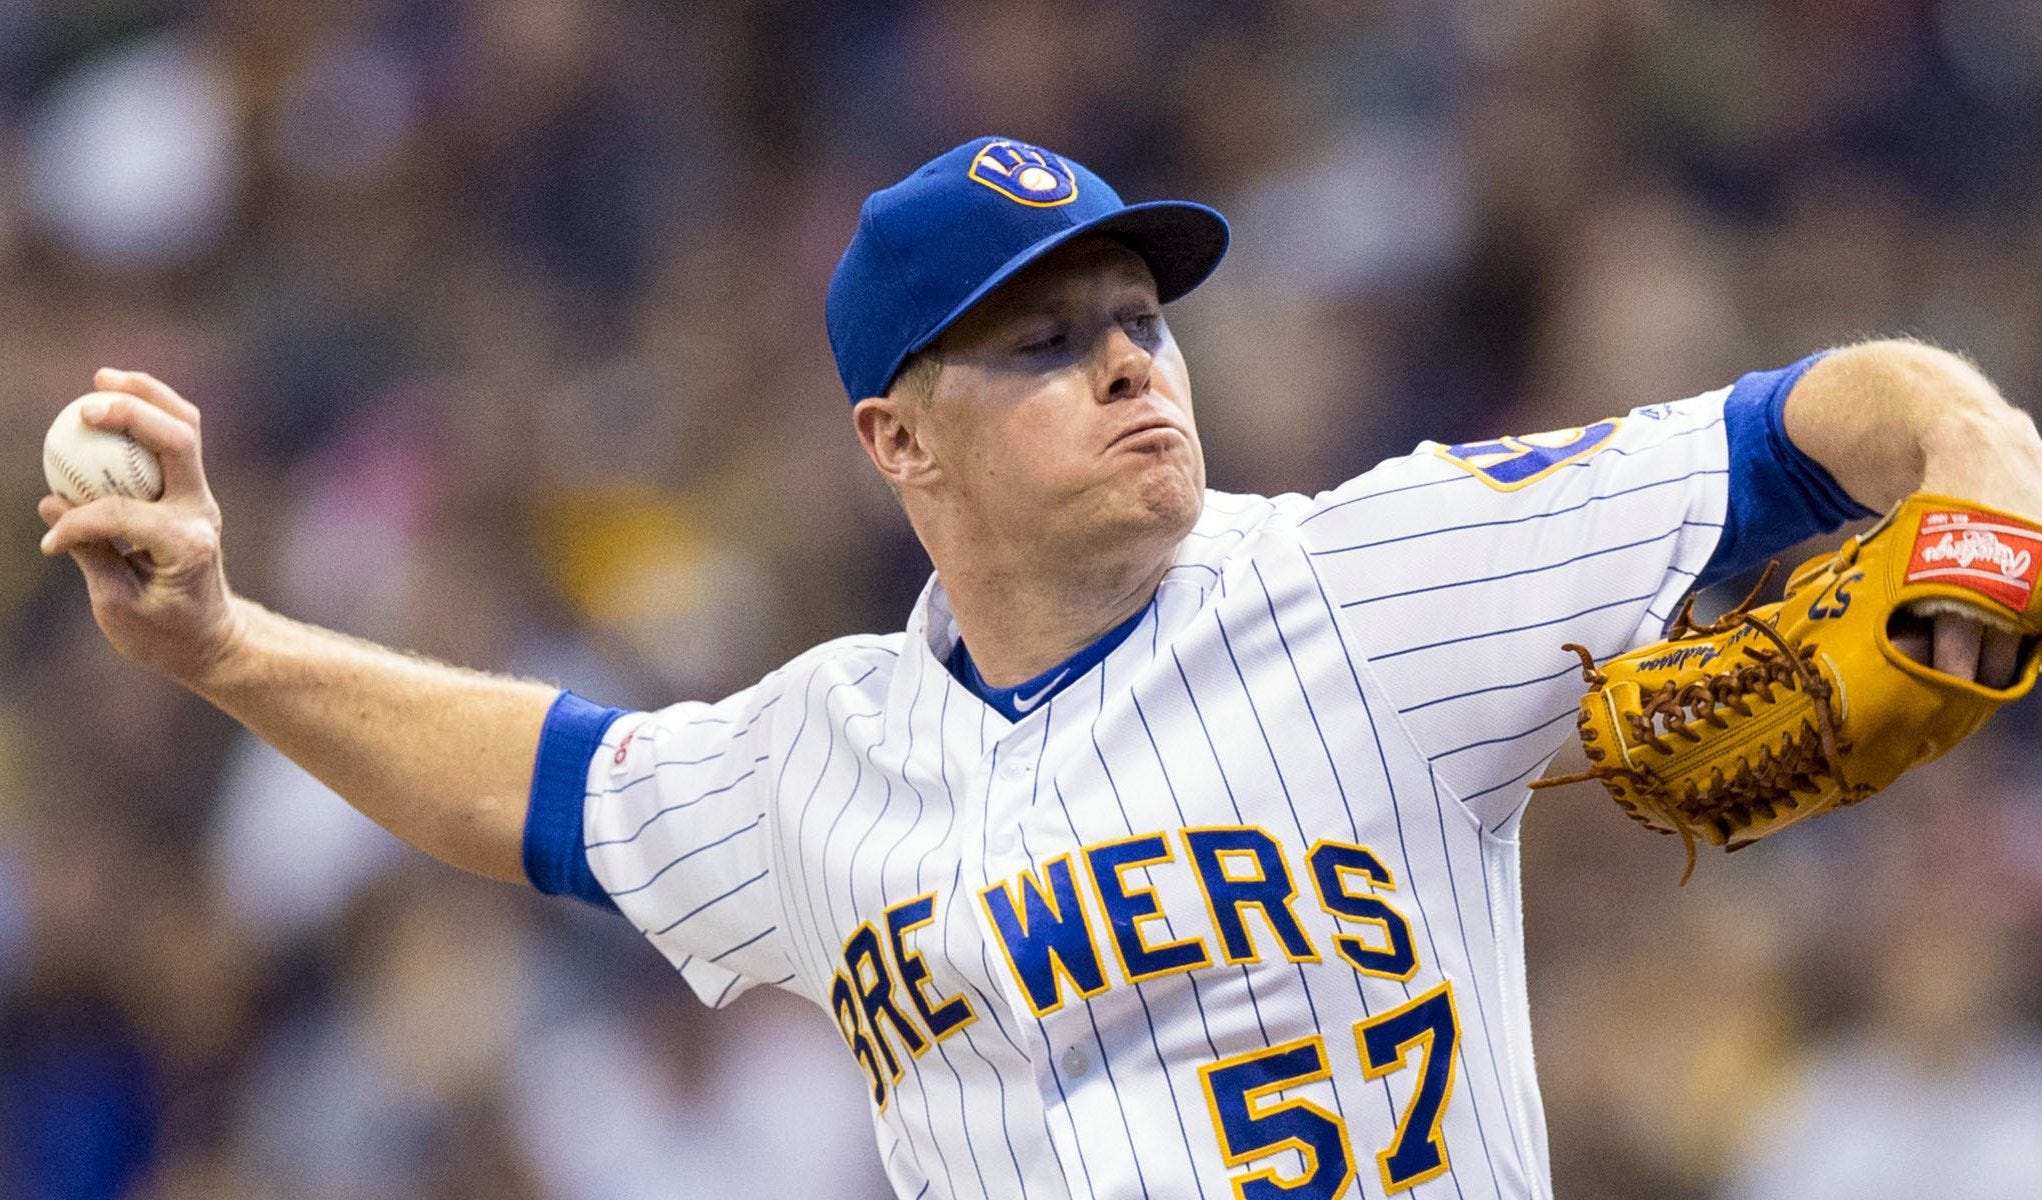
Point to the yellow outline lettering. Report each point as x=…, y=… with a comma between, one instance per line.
x=1017, y=908
x=1219, y=860
x=946, y=1015
x=1155, y=909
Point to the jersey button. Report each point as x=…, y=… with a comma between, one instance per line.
x=1015, y=768
x=1076, y=1063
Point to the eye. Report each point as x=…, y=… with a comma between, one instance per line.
x=1046, y=344
x=1144, y=326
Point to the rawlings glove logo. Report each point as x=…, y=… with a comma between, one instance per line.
x=1978, y=547
x=1995, y=559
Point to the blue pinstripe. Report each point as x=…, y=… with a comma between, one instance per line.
x=1476, y=637
x=1049, y=1052
x=1141, y=992
x=838, y=923
x=992, y=1009
x=685, y=857
x=1270, y=749
x=710, y=903
x=1552, y=566
x=1520, y=777
x=1034, y=788
x=1497, y=741
x=825, y=939
x=886, y=901
x=741, y=945
x=671, y=808
x=1155, y=1043
x=1397, y=816
x=1573, y=668
x=956, y=889
x=1460, y=475
x=817, y=959
x=1538, y=516
x=1169, y=927
x=1461, y=921
x=1162, y=766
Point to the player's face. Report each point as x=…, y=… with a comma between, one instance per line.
x=1063, y=408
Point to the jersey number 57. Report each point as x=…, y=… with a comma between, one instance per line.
x=1251, y=1126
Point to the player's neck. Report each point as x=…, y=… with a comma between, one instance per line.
x=1020, y=623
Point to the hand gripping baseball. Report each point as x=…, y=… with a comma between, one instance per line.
x=153, y=568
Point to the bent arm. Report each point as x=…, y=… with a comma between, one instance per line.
x=440, y=756
x=1891, y=417
x=1888, y=418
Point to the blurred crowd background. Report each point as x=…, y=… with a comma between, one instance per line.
x=506, y=317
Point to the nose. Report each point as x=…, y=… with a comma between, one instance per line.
x=1126, y=364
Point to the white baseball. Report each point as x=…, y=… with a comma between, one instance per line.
x=83, y=464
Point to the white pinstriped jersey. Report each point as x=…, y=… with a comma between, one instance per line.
x=1241, y=904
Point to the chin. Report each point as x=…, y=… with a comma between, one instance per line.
x=1169, y=502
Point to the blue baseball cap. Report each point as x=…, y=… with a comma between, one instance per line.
x=939, y=241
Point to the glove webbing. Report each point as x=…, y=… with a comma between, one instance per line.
x=1757, y=787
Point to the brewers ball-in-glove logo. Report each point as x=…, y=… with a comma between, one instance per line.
x=1027, y=174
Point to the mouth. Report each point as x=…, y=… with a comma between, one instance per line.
x=1144, y=433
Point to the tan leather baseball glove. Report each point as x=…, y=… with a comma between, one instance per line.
x=1729, y=731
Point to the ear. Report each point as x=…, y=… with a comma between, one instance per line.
x=894, y=432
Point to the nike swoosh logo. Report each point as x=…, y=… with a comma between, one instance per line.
x=1024, y=703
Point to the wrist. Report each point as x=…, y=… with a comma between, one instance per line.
x=230, y=652
x=1983, y=449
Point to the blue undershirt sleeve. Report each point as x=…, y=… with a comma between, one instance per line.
x=556, y=861
x=1779, y=496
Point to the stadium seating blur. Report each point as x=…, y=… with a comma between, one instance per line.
x=506, y=318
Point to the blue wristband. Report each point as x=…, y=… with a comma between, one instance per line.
x=556, y=861
x=1779, y=497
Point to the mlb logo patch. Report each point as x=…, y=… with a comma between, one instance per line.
x=1997, y=558
x=1025, y=174
x=621, y=759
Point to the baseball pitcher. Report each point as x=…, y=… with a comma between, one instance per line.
x=1170, y=849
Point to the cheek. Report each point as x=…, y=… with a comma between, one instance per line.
x=1039, y=447
x=1173, y=378
x=1017, y=464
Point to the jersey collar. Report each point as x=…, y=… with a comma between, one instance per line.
x=1025, y=697
x=931, y=635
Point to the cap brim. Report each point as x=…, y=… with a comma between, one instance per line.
x=1181, y=242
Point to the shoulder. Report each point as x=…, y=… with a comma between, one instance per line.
x=1516, y=474
x=851, y=648
x=1229, y=524
x=863, y=661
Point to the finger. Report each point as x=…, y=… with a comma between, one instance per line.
x=141, y=524
x=1957, y=645
x=175, y=442
x=1999, y=660
x=52, y=507
x=150, y=388
x=1911, y=635
x=107, y=574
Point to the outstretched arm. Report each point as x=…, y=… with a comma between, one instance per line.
x=440, y=756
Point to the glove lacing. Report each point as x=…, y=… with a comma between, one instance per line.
x=1756, y=787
